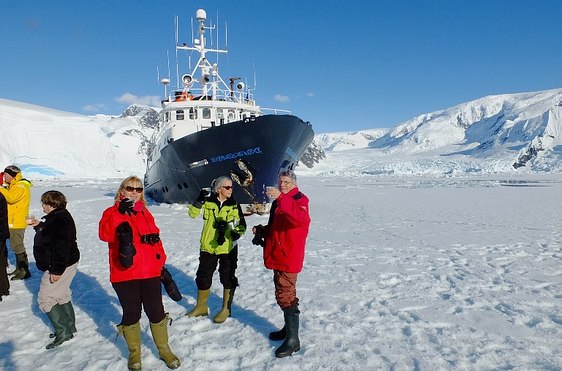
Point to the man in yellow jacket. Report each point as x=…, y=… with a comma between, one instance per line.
x=17, y=194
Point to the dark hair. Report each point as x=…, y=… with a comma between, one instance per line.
x=54, y=199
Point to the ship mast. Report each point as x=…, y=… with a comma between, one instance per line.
x=209, y=75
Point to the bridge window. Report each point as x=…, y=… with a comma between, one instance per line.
x=179, y=114
x=230, y=116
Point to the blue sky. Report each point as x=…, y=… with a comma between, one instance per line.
x=342, y=65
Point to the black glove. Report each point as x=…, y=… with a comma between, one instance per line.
x=202, y=195
x=126, y=206
x=126, y=247
x=221, y=226
x=235, y=235
x=259, y=237
x=201, y=198
x=170, y=285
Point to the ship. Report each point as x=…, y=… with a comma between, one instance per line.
x=211, y=127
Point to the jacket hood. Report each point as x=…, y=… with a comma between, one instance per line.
x=19, y=178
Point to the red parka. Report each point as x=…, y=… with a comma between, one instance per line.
x=286, y=233
x=149, y=258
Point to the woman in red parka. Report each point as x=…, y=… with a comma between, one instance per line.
x=136, y=258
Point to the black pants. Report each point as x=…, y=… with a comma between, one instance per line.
x=227, y=268
x=136, y=293
x=4, y=283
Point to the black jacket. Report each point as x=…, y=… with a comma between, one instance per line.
x=4, y=228
x=55, y=246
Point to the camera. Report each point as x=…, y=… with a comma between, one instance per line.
x=150, y=238
x=221, y=226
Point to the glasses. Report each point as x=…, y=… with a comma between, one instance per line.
x=131, y=189
x=286, y=182
x=227, y=187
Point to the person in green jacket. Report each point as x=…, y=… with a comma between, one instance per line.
x=223, y=224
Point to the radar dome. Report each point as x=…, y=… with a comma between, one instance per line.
x=201, y=14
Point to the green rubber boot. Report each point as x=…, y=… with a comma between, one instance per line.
x=201, y=306
x=132, y=335
x=61, y=324
x=160, y=335
x=227, y=296
x=69, y=310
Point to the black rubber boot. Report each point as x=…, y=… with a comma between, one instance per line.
x=4, y=281
x=278, y=335
x=22, y=270
x=17, y=270
x=292, y=343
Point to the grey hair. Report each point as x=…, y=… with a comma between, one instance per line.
x=289, y=173
x=217, y=183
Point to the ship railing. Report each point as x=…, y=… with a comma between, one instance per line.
x=275, y=111
x=221, y=94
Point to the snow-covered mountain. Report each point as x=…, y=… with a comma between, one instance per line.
x=510, y=133
x=499, y=133
x=51, y=143
x=348, y=140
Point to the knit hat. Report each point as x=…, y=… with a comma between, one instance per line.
x=12, y=170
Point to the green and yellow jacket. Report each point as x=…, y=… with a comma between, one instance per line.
x=216, y=213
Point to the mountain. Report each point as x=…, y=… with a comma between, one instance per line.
x=51, y=143
x=509, y=133
x=48, y=143
x=499, y=133
x=350, y=140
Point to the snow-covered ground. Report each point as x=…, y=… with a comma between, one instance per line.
x=401, y=273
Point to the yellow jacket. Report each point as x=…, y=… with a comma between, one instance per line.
x=17, y=196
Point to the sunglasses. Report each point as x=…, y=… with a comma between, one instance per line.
x=227, y=187
x=131, y=189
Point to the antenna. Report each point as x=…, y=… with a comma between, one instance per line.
x=192, y=38
x=217, y=27
x=226, y=34
x=176, y=22
x=168, y=59
x=255, y=77
x=164, y=81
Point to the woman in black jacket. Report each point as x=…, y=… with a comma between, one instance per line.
x=4, y=235
x=56, y=253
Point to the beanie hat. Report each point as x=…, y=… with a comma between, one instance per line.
x=11, y=170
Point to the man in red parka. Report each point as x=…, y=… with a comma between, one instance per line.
x=285, y=239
